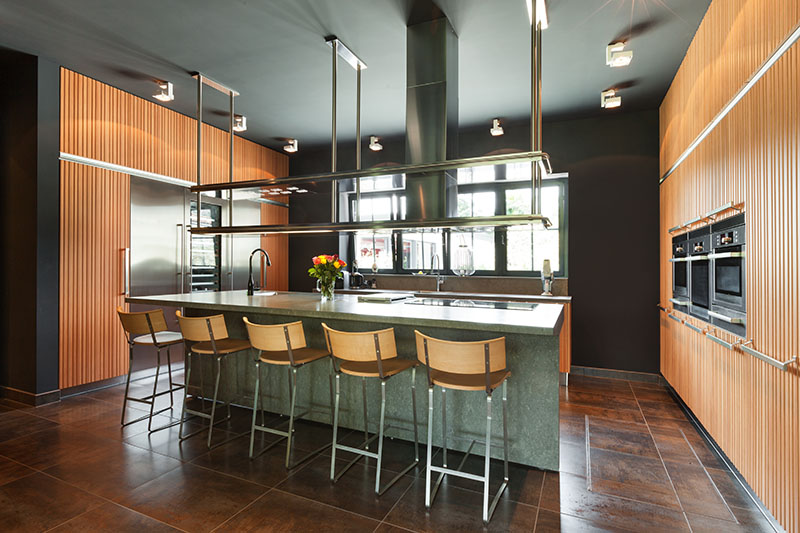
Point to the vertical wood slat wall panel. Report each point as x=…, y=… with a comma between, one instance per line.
x=95, y=214
x=750, y=408
x=104, y=123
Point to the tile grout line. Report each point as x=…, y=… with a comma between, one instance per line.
x=383, y=521
x=539, y=501
x=663, y=464
x=276, y=489
x=243, y=509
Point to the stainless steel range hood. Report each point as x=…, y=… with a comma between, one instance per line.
x=431, y=116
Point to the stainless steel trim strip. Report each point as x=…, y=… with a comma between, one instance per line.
x=782, y=365
x=72, y=158
x=386, y=225
x=674, y=228
x=518, y=157
x=692, y=327
x=726, y=318
x=127, y=271
x=726, y=255
x=793, y=36
x=719, y=341
x=694, y=220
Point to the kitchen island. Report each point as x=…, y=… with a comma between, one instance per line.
x=532, y=346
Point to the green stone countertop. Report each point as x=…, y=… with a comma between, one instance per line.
x=544, y=319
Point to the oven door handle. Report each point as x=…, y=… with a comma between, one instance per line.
x=698, y=258
x=676, y=301
x=678, y=259
x=726, y=318
x=727, y=255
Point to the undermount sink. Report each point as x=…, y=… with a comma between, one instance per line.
x=265, y=293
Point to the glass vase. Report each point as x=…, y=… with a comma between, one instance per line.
x=326, y=292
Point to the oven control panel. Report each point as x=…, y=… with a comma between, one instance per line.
x=731, y=237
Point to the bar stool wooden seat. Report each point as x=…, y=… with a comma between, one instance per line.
x=149, y=328
x=467, y=366
x=369, y=354
x=283, y=345
x=207, y=335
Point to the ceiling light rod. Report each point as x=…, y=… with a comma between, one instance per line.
x=538, y=16
x=214, y=84
x=518, y=157
x=358, y=142
x=345, y=53
x=383, y=225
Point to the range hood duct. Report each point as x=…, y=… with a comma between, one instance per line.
x=431, y=115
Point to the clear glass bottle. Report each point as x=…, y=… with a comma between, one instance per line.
x=463, y=261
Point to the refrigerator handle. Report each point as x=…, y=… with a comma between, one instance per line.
x=181, y=252
x=126, y=267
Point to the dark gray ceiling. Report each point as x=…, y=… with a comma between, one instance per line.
x=274, y=54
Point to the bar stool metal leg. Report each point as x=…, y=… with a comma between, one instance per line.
x=335, y=425
x=293, y=389
x=430, y=447
x=127, y=384
x=214, y=401
x=155, y=389
x=366, y=419
x=380, y=437
x=414, y=411
x=444, y=426
x=487, y=458
x=171, y=384
x=255, y=408
x=185, y=393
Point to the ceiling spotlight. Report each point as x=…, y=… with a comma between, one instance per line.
x=164, y=93
x=496, y=129
x=239, y=123
x=615, y=57
x=609, y=99
x=292, y=146
x=302, y=190
x=374, y=145
x=541, y=12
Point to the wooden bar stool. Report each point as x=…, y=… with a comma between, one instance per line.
x=283, y=345
x=207, y=335
x=468, y=366
x=149, y=328
x=369, y=354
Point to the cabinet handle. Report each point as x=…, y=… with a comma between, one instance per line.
x=726, y=318
x=727, y=255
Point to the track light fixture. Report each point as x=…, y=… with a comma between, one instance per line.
x=609, y=99
x=496, y=130
x=239, y=123
x=616, y=57
x=291, y=147
x=164, y=93
x=374, y=145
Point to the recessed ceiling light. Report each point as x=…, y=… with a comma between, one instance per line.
x=541, y=12
x=496, y=129
x=291, y=147
x=615, y=57
x=609, y=99
x=164, y=93
x=374, y=145
x=239, y=123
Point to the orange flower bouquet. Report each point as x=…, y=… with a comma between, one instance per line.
x=327, y=269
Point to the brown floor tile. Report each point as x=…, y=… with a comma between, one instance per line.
x=708, y=457
x=697, y=492
x=39, y=502
x=673, y=423
x=658, y=395
x=747, y=521
x=280, y=511
x=193, y=498
x=389, y=528
x=457, y=509
x=580, y=411
x=572, y=430
x=110, y=427
x=52, y=446
x=115, y=471
x=610, y=387
x=593, y=399
x=12, y=470
x=673, y=446
x=17, y=423
x=112, y=517
x=233, y=459
x=572, y=458
x=354, y=492
x=550, y=522
x=617, y=437
x=10, y=405
x=645, y=385
x=397, y=453
x=166, y=441
x=633, y=477
x=733, y=493
x=72, y=409
x=567, y=494
x=661, y=409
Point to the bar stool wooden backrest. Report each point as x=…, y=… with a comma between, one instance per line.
x=361, y=346
x=142, y=323
x=277, y=337
x=203, y=328
x=457, y=357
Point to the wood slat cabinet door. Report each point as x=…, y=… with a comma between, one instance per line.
x=95, y=232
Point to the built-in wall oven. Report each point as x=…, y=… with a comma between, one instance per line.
x=728, y=306
x=680, y=273
x=699, y=242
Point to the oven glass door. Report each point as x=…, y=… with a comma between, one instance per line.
x=679, y=278
x=700, y=292
x=728, y=276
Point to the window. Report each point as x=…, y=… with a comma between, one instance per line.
x=482, y=191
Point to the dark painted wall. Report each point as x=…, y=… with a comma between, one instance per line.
x=612, y=162
x=29, y=207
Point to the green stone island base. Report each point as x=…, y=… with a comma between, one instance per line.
x=532, y=354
